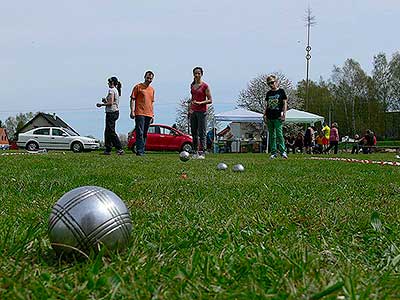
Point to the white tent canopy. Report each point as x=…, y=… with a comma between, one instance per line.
x=239, y=115
x=242, y=115
x=299, y=116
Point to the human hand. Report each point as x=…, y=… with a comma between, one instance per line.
x=103, y=100
x=132, y=115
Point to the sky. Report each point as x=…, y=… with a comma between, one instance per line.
x=56, y=56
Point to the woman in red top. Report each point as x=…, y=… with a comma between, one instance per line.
x=201, y=96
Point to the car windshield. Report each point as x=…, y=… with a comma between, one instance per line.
x=70, y=132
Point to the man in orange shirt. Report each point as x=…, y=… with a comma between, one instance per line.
x=142, y=100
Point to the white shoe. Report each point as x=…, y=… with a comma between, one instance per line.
x=195, y=156
x=284, y=155
x=273, y=156
x=201, y=156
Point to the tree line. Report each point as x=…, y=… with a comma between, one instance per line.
x=352, y=98
x=357, y=101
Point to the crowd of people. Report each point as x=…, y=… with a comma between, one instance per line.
x=142, y=111
x=322, y=141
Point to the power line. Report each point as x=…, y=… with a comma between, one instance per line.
x=85, y=109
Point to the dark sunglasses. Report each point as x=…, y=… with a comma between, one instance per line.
x=271, y=82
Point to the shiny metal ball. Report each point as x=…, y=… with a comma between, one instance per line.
x=238, y=168
x=86, y=217
x=184, y=156
x=222, y=166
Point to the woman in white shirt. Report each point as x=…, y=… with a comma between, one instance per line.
x=111, y=103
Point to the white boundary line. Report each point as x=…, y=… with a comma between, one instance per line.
x=363, y=161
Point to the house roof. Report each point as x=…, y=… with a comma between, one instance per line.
x=54, y=120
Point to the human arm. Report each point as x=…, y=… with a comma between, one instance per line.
x=107, y=101
x=284, y=109
x=132, y=103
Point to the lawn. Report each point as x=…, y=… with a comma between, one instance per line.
x=283, y=229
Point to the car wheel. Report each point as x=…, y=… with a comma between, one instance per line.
x=32, y=146
x=187, y=147
x=77, y=147
x=133, y=148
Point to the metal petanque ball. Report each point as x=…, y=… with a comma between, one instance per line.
x=222, y=166
x=88, y=216
x=184, y=156
x=238, y=168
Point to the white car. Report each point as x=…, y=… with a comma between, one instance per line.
x=56, y=138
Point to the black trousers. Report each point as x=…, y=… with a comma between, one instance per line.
x=332, y=144
x=198, y=123
x=110, y=136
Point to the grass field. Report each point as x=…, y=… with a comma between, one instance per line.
x=283, y=229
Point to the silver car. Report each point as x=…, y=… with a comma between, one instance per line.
x=55, y=138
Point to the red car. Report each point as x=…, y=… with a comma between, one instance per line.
x=163, y=138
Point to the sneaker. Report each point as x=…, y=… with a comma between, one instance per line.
x=120, y=152
x=284, y=155
x=273, y=156
x=195, y=156
x=106, y=153
x=201, y=156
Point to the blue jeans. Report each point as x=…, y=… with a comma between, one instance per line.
x=142, y=124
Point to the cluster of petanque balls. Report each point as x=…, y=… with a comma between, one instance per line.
x=185, y=156
x=88, y=217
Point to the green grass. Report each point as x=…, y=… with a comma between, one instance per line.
x=295, y=229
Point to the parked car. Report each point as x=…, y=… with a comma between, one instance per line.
x=55, y=138
x=163, y=138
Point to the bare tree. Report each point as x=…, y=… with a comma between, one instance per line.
x=123, y=139
x=182, y=119
x=394, y=68
x=14, y=124
x=352, y=93
x=182, y=115
x=382, y=79
x=253, y=97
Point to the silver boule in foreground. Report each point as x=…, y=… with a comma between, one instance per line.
x=184, y=156
x=87, y=216
x=238, y=168
x=222, y=166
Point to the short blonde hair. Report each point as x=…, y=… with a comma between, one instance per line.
x=271, y=78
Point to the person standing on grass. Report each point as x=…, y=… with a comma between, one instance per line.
x=333, y=139
x=274, y=115
x=309, y=139
x=111, y=104
x=327, y=133
x=142, y=110
x=201, y=97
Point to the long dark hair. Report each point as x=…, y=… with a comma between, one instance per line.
x=201, y=71
x=116, y=83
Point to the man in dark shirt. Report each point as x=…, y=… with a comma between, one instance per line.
x=274, y=115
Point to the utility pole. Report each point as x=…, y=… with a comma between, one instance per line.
x=310, y=21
